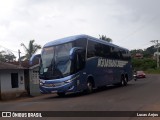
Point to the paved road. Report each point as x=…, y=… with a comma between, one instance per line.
x=141, y=95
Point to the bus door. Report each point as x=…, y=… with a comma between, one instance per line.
x=78, y=65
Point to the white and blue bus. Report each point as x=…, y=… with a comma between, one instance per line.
x=82, y=63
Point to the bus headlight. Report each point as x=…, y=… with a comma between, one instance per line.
x=71, y=80
x=68, y=81
x=41, y=84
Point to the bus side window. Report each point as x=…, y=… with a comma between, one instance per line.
x=82, y=42
x=121, y=56
x=107, y=51
x=91, y=49
x=99, y=50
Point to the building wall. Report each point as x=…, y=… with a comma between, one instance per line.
x=34, y=81
x=26, y=79
x=0, y=86
x=7, y=92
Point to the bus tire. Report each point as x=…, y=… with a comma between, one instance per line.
x=61, y=94
x=89, y=87
x=123, y=81
x=126, y=81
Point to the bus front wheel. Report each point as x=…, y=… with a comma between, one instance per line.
x=89, y=87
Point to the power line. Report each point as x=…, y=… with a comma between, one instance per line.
x=145, y=46
x=139, y=28
x=10, y=50
x=7, y=48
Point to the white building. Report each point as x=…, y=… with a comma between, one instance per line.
x=12, y=83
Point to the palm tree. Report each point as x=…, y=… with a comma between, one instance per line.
x=103, y=37
x=32, y=49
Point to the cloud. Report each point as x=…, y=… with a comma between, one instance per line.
x=125, y=21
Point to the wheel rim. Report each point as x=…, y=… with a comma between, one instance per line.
x=125, y=80
x=90, y=86
x=122, y=82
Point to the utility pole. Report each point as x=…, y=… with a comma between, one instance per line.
x=19, y=52
x=157, y=45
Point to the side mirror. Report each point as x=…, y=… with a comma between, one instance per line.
x=34, y=58
x=74, y=51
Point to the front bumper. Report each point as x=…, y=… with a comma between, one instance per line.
x=69, y=87
x=68, y=84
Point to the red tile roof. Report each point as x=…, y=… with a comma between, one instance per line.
x=7, y=66
x=25, y=64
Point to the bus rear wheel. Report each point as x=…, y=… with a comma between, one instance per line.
x=61, y=94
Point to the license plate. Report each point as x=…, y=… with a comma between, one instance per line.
x=53, y=91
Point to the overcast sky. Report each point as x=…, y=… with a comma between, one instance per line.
x=129, y=23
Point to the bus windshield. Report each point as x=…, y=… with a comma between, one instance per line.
x=55, y=61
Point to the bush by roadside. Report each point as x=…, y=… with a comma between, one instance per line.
x=153, y=71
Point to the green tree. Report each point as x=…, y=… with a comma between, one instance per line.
x=135, y=51
x=144, y=64
x=30, y=50
x=2, y=59
x=103, y=37
x=149, y=52
x=6, y=56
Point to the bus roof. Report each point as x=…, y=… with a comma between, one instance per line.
x=72, y=38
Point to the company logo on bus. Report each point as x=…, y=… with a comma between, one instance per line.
x=111, y=63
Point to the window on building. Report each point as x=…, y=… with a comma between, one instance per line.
x=14, y=80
